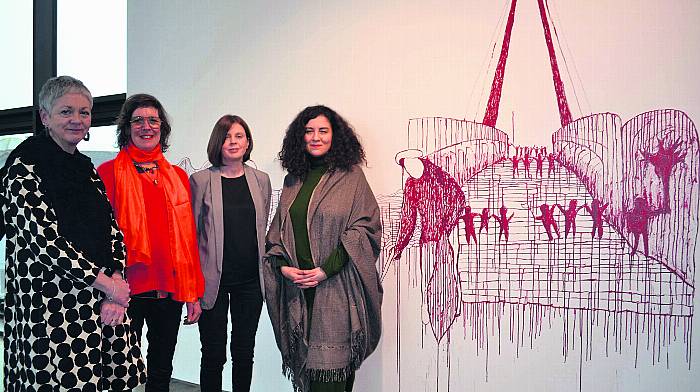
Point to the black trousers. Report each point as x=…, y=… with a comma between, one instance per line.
x=162, y=317
x=244, y=302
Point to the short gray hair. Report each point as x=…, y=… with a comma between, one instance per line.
x=58, y=86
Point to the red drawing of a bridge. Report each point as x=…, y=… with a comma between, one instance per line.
x=592, y=268
x=598, y=227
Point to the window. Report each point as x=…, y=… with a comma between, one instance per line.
x=93, y=50
x=16, y=37
x=102, y=145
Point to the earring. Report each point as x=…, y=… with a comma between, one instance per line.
x=87, y=136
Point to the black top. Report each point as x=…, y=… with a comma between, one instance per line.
x=240, y=264
x=75, y=193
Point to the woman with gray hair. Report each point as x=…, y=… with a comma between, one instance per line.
x=65, y=323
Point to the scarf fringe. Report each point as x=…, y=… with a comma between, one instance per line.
x=358, y=342
x=330, y=375
x=357, y=345
x=289, y=373
x=291, y=361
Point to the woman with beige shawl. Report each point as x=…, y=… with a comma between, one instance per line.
x=321, y=285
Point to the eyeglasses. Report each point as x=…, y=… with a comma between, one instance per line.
x=139, y=121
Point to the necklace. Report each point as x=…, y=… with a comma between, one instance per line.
x=149, y=168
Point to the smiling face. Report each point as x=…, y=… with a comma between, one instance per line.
x=235, y=145
x=145, y=134
x=69, y=120
x=318, y=136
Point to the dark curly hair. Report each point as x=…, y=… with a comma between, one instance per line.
x=124, y=119
x=345, y=150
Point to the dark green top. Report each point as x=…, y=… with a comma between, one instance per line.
x=298, y=212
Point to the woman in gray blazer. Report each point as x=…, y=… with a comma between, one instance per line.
x=231, y=203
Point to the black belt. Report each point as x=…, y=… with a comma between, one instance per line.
x=153, y=294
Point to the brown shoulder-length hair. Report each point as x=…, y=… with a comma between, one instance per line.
x=218, y=136
x=124, y=119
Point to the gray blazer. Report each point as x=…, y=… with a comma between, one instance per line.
x=208, y=209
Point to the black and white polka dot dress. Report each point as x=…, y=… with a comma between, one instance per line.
x=53, y=335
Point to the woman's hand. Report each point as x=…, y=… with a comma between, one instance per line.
x=304, y=279
x=292, y=273
x=115, y=288
x=194, y=310
x=311, y=278
x=112, y=313
x=121, y=291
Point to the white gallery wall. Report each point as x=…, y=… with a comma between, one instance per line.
x=381, y=63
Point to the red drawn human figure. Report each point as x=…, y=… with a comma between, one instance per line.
x=503, y=221
x=485, y=216
x=469, y=224
x=540, y=163
x=638, y=222
x=570, y=216
x=433, y=194
x=515, y=161
x=526, y=163
x=548, y=220
x=551, y=158
x=596, y=211
x=663, y=160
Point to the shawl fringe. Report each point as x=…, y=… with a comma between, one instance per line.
x=288, y=372
x=323, y=375
x=292, y=360
x=329, y=375
x=357, y=349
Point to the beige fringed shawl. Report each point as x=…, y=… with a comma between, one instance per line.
x=346, y=322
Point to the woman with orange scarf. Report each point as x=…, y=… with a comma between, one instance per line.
x=151, y=200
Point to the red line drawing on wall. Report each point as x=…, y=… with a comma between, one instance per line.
x=434, y=195
x=515, y=160
x=503, y=222
x=547, y=218
x=664, y=160
x=484, y=219
x=527, y=270
x=596, y=210
x=619, y=181
x=570, y=216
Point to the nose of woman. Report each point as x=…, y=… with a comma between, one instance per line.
x=76, y=117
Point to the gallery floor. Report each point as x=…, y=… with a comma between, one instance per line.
x=177, y=386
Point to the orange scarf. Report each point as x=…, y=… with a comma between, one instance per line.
x=131, y=215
